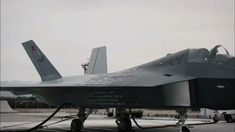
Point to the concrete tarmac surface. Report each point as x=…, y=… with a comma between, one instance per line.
x=100, y=123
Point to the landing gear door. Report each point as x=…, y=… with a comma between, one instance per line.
x=177, y=94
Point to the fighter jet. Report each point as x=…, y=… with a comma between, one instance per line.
x=191, y=78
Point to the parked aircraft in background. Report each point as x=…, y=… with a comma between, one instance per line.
x=191, y=78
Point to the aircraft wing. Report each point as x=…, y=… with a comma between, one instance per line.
x=109, y=90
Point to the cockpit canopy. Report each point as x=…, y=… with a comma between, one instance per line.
x=204, y=56
x=201, y=55
x=198, y=55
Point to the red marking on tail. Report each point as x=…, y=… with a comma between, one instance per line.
x=33, y=48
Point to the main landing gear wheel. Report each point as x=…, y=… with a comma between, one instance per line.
x=216, y=118
x=76, y=125
x=124, y=125
x=123, y=121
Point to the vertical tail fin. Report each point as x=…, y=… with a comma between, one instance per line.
x=98, y=61
x=44, y=67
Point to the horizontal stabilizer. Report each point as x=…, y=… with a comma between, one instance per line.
x=44, y=67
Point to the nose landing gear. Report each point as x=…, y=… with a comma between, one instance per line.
x=182, y=117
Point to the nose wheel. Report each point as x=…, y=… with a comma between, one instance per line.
x=185, y=129
x=182, y=117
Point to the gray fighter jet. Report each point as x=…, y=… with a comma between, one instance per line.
x=191, y=78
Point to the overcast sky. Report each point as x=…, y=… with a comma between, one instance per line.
x=135, y=31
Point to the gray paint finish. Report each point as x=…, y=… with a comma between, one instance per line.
x=180, y=79
x=177, y=94
x=98, y=61
x=44, y=67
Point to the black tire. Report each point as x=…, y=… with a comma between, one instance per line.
x=215, y=118
x=229, y=119
x=185, y=129
x=128, y=124
x=127, y=127
x=110, y=114
x=76, y=125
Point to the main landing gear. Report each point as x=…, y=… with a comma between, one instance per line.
x=182, y=116
x=123, y=120
x=77, y=124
